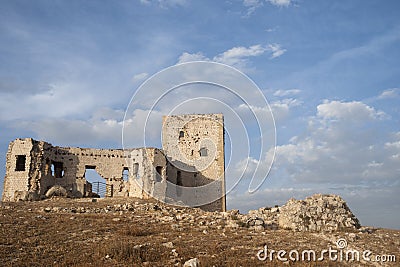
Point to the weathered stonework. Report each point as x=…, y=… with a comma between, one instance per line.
x=34, y=167
x=315, y=213
x=194, y=146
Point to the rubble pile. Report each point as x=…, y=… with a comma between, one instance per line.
x=317, y=213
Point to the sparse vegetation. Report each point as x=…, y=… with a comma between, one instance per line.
x=67, y=232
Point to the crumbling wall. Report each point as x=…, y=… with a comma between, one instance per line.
x=146, y=181
x=108, y=163
x=16, y=181
x=46, y=166
x=194, y=146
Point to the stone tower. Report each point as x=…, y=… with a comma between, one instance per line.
x=194, y=146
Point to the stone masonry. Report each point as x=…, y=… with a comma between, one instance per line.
x=194, y=147
x=315, y=213
x=189, y=170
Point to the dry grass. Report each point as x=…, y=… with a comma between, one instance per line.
x=30, y=237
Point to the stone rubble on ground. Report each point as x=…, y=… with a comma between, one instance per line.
x=318, y=213
x=191, y=263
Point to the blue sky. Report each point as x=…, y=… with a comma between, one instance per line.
x=329, y=70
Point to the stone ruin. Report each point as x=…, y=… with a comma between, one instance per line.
x=188, y=170
x=319, y=212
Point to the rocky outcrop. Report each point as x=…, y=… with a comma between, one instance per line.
x=316, y=213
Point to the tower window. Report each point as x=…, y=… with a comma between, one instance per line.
x=203, y=152
x=57, y=169
x=135, y=170
x=20, y=163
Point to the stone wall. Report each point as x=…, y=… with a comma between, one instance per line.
x=192, y=161
x=194, y=146
x=47, y=166
x=16, y=183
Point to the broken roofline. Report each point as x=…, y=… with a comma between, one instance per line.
x=148, y=172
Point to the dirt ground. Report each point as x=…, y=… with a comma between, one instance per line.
x=132, y=232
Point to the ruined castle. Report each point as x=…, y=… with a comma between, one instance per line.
x=188, y=170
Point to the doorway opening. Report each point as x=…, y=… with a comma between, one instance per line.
x=95, y=181
x=125, y=174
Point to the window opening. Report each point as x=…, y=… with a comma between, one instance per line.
x=20, y=163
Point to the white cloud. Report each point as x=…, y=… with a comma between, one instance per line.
x=246, y=167
x=104, y=126
x=390, y=93
x=280, y=3
x=187, y=57
x=276, y=50
x=287, y=92
x=281, y=108
x=58, y=101
x=337, y=147
x=236, y=56
x=354, y=111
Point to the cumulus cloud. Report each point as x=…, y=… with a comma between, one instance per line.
x=342, y=151
x=236, y=56
x=349, y=111
x=337, y=148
